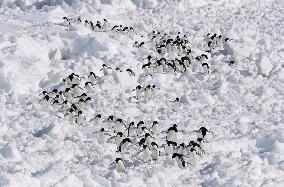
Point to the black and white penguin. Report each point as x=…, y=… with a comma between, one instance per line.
x=93, y=77
x=105, y=69
x=79, y=20
x=147, y=68
x=118, y=138
x=206, y=68
x=139, y=92
x=118, y=125
x=79, y=118
x=170, y=147
x=119, y=165
x=105, y=26
x=123, y=145
x=179, y=159
x=130, y=72
x=66, y=22
x=175, y=105
x=147, y=154
x=102, y=136
x=109, y=122
x=118, y=69
x=147, y=92
x=131, y=130
x=155, y=128
x=97, y=119
x=172, y=133
x=89, y=86
x=155, y=151
x=86, y=23
x=202, y=133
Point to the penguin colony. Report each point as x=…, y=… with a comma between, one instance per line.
x=73, y=97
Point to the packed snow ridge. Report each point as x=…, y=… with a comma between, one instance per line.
x=141, y=93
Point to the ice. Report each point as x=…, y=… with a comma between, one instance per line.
x=240, y=103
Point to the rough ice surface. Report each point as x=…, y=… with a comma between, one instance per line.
x=242, y=104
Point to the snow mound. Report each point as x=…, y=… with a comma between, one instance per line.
x=264, y=66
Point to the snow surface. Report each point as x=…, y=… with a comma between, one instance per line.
x=241, y=104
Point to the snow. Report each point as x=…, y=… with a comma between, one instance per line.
x=241, y=104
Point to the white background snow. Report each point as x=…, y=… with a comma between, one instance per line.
x=242, y=104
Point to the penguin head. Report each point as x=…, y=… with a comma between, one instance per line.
x=55, y=102
x=118, y=159
x=140, y=123
x=102, y=130
x=205, y=64
x=155, y=122
x=104, y=65
x=80, y=112
x=131, y=123
x=177, y=99
x=203, y=55
x=88, y=99
x=86, y=21
x=154, y=86
x=147, y=135
x=139, y=87
x=65, y=102
x=120, y=134
x=65, y=18
x=105, y=20
x=200, y=139
x=175, y=155
x=54, y=90
x=119, y=120
x=154, y=144
x=110, y=118
x=99, y=116
x=181, y=145
x=145, y=146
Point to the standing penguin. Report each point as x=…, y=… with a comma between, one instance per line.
x=66, y=22
x=172, y=133
x=102, y=136
x=175, y=105
x=147, y=154
x=131, y=130
x=105, y=69
x=123, y=144
x=179, y=159
x=206, y=68
x=119, y=165
x=155, y=128
x=155, y=151
x=97, y=119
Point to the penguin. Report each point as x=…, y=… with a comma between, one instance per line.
x=130, y=72
x=119, y=165
x=147, y=68
x=67, y=93
x=76, y=89
x=105, y=26
x=118, y=138
x=200, y=142
x=110, y=122
x=131, y=130
x=65, y=105
x=66, y=22
x=172, y=133
x=123, y=144
x=98, y=27
x=93, y=77
x=206, y=68
x=79, y=20
x=86, y=24
x=118, y=125
x=115, y=28
x=55, y=104
x=159, y=67
x=179, y=159
x=139, y=127
x=81, y=104
x=147, y=154
x=155, y=151
x=196, y=146
x=175, y=105
x=169, y=147
x=147, y=93
x=147, y=137
x=182, y=149
x=153, y=91
x=192, y=156
x=131, y=35
x=186, y=61
x=105, y=69
x=155, y=128
x=202, y=133
x=97, y=119
x=102, y=136
x=118, y=69
x=89, y=86
x=231, y=63
x=139, y=92
x=80, y=119
x=46, y=100
x=153, y=43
